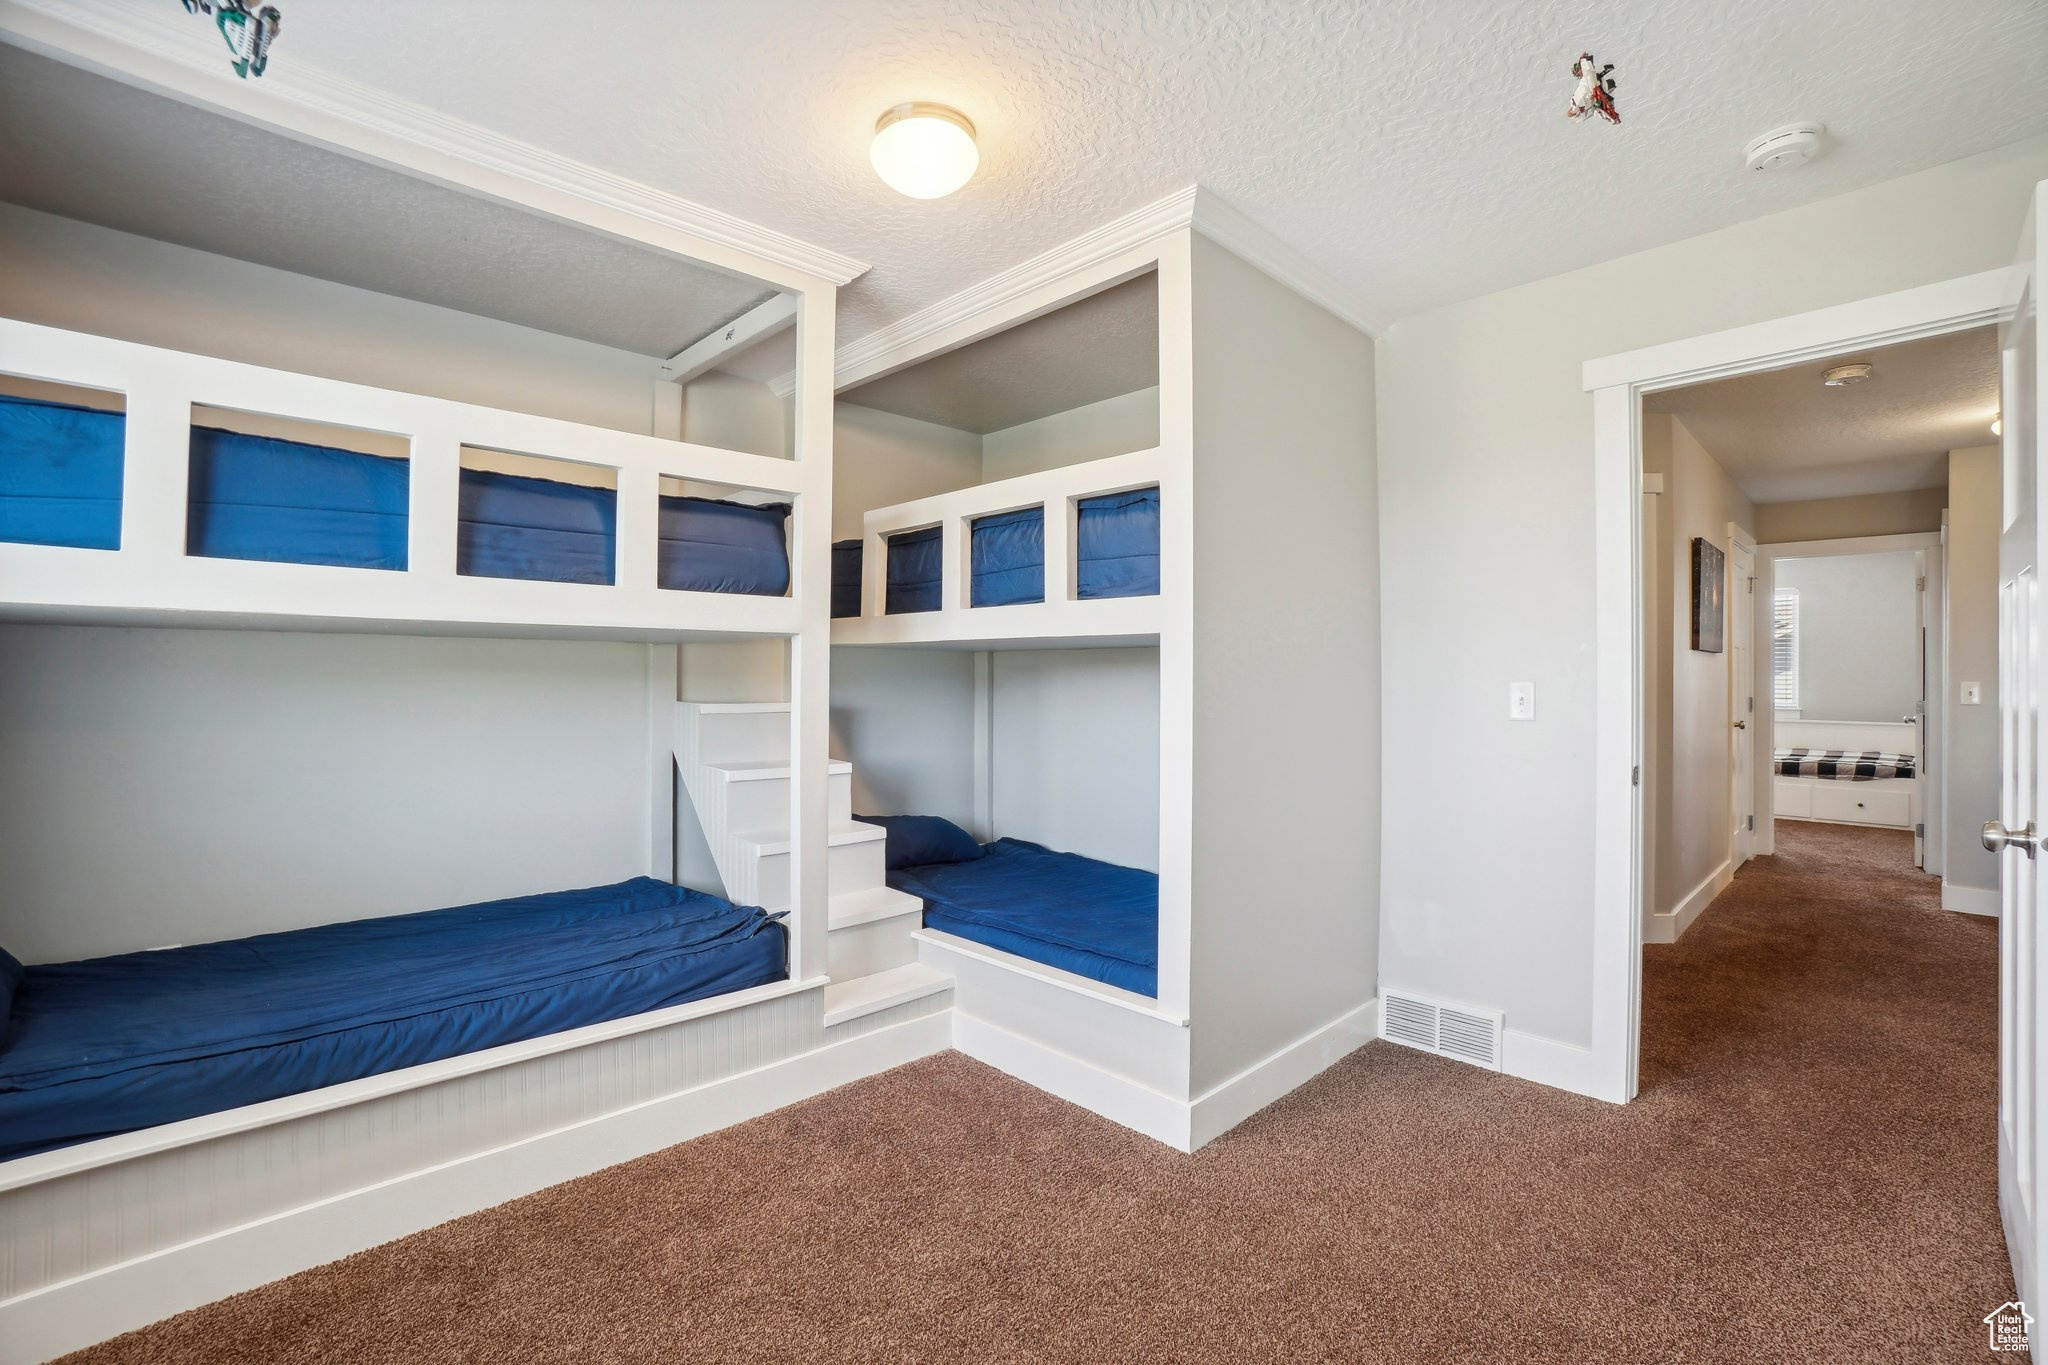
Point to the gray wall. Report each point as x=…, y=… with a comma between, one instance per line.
x=1485, y=463
x=905, y=717
x=1094, y=431
x=179, y=786
x=1686, y=711
x=1859, y=634
x=1286, y=670
x=1075, y=751
x=1971, y=780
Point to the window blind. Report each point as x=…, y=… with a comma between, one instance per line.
x=1785, y=651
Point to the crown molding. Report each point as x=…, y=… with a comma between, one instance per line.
x=155, y=47
x=1013, y=291
x=1224, y=225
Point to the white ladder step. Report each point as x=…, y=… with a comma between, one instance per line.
x=768, y=771
x=877, y=903
x=853, y=832
x=738, y=708
x=846, y=1000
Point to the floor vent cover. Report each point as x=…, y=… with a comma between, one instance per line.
x=1458, y=1031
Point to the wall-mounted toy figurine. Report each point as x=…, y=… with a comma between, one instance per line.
x=1595, y=92
x=249, y=33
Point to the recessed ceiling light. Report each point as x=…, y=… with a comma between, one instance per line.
x=924, y=150
x=1842, y=376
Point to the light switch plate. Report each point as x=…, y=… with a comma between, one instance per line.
x=1522, y=701
x=1973, y=694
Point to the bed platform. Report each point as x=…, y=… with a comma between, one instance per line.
x=1090, y=918
x=1846, y=772
x=122, y=1043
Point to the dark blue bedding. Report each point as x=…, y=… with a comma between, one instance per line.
x=1116, y=551
x=846, y=557
x=1092, y=918
x=261, y=498
x=119, y=1043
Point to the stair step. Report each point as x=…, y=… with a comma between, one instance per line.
x=846, y=1000
x=853, y=832
x=766, y=770
x=738, y=708
x=865, y=907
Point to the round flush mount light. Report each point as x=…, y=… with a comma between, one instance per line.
x=1842, y=376
x=1998, y=424
x=924, y=150
x=1785, y=149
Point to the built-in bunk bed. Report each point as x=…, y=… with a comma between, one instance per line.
x=394, y=1070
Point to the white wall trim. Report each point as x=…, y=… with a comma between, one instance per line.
x=76, y=1313
x=1617, y=385
x=1561, y=1066
x=154, y=47
x=1970, y=900
x=1668, y=926
x=1224, y=225
x=1119, y=1099
x=1183, y=1125
x=1224, y=1106
x=1851, y=545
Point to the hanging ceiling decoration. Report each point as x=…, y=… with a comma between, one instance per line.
x=248, y=32
x=1595, y=91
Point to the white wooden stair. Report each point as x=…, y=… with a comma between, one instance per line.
x=734, y=760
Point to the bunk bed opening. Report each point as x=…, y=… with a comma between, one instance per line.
x=60, y=478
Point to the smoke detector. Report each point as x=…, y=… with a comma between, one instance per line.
x=1785, y=149
x=1842, y=376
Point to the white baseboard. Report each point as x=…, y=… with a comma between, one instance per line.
x=76, y=1313
x=1562, y=1066
x=1223, y=1107
x=1970, y=900
x=1668, y=926
x=1183, y=1125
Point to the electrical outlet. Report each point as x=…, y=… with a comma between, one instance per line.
x=1522, y=701
x=1973, y=694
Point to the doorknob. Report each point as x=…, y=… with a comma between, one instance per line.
x=1997, y=836
x=1742, y=725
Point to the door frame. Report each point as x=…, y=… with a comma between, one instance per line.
x=1618, y=384
x=1743, y=843
x=1928, y=546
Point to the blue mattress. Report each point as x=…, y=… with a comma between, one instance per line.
x=260, y=498
x=1116, y=551
x=1092, y=918
x=119, y=1043
x=846, y=557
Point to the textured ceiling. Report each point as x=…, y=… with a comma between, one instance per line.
x=84, y=147
x=1784, y=436
x=1418, y=152
x=1100, y=347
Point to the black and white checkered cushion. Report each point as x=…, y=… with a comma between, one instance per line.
x=1840, y=763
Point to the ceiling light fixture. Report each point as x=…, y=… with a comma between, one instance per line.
x=924, y=150
x=1998, y=424
x=1842, y=376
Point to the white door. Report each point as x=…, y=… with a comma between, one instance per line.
x=2021, y=756
x=1742, y=720
x=1922, y=741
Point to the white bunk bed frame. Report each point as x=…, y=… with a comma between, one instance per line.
x=109, y=1235
x=1062, y=618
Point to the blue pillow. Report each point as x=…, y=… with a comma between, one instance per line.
x=12, y=974
x=915, y=839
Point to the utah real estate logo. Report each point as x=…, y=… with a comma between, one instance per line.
x=2008, y=1324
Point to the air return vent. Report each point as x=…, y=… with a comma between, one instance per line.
x=1459, y=1031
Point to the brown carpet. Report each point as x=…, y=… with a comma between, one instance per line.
x=1808, y=1176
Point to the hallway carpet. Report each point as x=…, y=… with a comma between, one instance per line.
x=1807, y=1176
